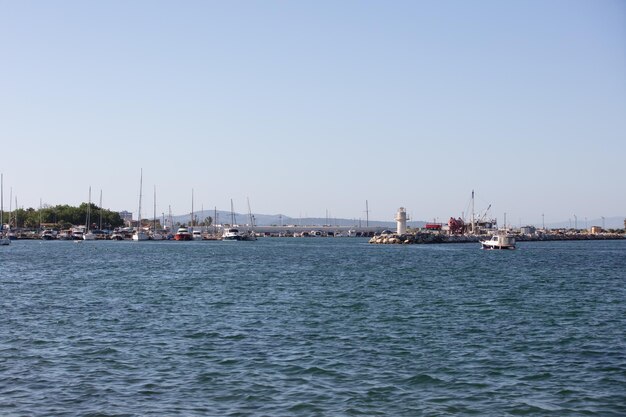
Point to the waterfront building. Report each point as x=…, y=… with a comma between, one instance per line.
x=127, y=216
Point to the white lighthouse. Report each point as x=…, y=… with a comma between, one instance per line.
x=401, y=221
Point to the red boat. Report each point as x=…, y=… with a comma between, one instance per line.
x=183, y=234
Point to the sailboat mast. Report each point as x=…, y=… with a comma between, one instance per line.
x=1, y=203
x=250, y=214
x=155, y=218
x=10, y=206
x=191, y=224
x=100, y=223
x=88, y=218
x=232, y=213
x=139, y=210
x=472, y=211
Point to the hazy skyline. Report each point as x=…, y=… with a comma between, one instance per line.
x=309, y=107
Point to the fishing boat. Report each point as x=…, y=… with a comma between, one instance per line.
x=183, y=234
x=499, y=241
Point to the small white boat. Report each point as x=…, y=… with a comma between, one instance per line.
x=499, y=241
x=231, y=234
x=139, y=235
x=65, y=235
x=248, y=236
x=48, y=234
x=196, y=234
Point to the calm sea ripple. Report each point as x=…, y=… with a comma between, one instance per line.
x=312, y=327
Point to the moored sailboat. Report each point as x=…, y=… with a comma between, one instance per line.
x=231, y=233
x=140, y=234
x=88, y=235
x=4, y=240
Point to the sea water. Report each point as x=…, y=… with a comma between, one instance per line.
x=312, y=327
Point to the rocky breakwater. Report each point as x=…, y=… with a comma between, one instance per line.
x=541, y=237
x=429, y=237
x=421, y=238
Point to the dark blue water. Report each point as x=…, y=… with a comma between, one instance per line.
x=312, y=327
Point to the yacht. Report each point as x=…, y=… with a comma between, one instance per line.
x=231, y=234
x=183, y=234
x=48, y=234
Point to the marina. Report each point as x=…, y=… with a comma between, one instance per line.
x=478, y=228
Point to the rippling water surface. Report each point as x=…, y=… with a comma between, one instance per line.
x=328, y=327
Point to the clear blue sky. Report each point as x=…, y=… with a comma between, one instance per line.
x=311, y=106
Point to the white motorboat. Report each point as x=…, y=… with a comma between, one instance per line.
x=231, y=234
x=48, y=234
x=499, y=241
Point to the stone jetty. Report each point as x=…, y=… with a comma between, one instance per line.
x=432, y=238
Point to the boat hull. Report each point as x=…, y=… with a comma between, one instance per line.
x=498, y=247
x=140, y=236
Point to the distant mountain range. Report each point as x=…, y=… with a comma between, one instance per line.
x=224, y=217
x=609, y=223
